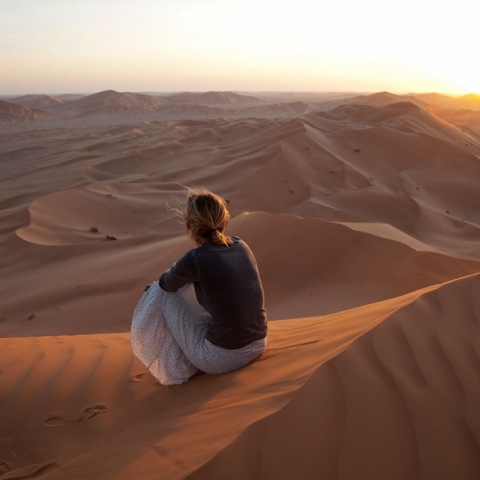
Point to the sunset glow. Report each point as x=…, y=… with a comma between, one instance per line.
x=59, y=46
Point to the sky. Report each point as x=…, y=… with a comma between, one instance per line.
x=71, y=46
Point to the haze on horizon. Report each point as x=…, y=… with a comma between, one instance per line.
x=62, y=46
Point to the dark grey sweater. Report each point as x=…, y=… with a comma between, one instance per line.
x=228, y=286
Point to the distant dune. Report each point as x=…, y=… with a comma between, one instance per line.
x=383, y=98
x=38, y=101
x=363, y=212
x=13, y=113
x=112, y=107
x=213, y=98
x=470, y=101
x=115, y=102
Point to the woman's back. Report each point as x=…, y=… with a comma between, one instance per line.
x=228, y=286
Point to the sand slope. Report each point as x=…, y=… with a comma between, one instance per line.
x=13, y=113
x=403, y=390
x=399, y=403
x=365, y=221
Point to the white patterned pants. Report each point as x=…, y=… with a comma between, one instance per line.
x=168, y=337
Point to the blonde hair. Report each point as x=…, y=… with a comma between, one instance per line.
x=206, y=217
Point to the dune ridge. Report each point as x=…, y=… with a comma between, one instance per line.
x=110, y=106
x=363, y=214
x=327, y=361
x=298, y=284
x=404, y=388
x=13, y=113
x=39, y=101
x=213, y=98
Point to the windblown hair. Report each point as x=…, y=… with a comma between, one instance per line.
x=206, y=216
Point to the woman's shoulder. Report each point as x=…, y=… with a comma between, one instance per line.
x=237, y=242
x=188, y=257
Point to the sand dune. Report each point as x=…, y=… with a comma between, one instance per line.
x=38, y=101
x=114, y=102
x=388, y=378
x=405, y=390
x=111, y=107
x=213, y=98
x=467, y=120
x=13, y=113
x=365, y=221
x=380, y=99
x=470, y=101
x=106, y=269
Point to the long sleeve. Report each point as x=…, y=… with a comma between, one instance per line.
x=180, y=273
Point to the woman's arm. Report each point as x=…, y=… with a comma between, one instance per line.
x=180, y=273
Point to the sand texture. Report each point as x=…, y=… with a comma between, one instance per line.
x=364, y=214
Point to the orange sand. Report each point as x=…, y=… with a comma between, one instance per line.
x=364, y=216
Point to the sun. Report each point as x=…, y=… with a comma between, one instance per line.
x=463, y=77
x=465, y=83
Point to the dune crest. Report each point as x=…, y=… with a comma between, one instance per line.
x=13, y=113
x=333, y=362
x=403, y=391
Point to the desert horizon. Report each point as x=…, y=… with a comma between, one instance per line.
x=112, y=104
x=288, y=91
x=363, y=211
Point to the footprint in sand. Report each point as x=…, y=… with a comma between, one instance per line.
x=87, y=414
x=31, y=471
x=5, y=467
x=8, y=458
x=9, y=461
x=140, y=377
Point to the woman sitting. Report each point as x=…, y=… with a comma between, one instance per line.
x=207, y=311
